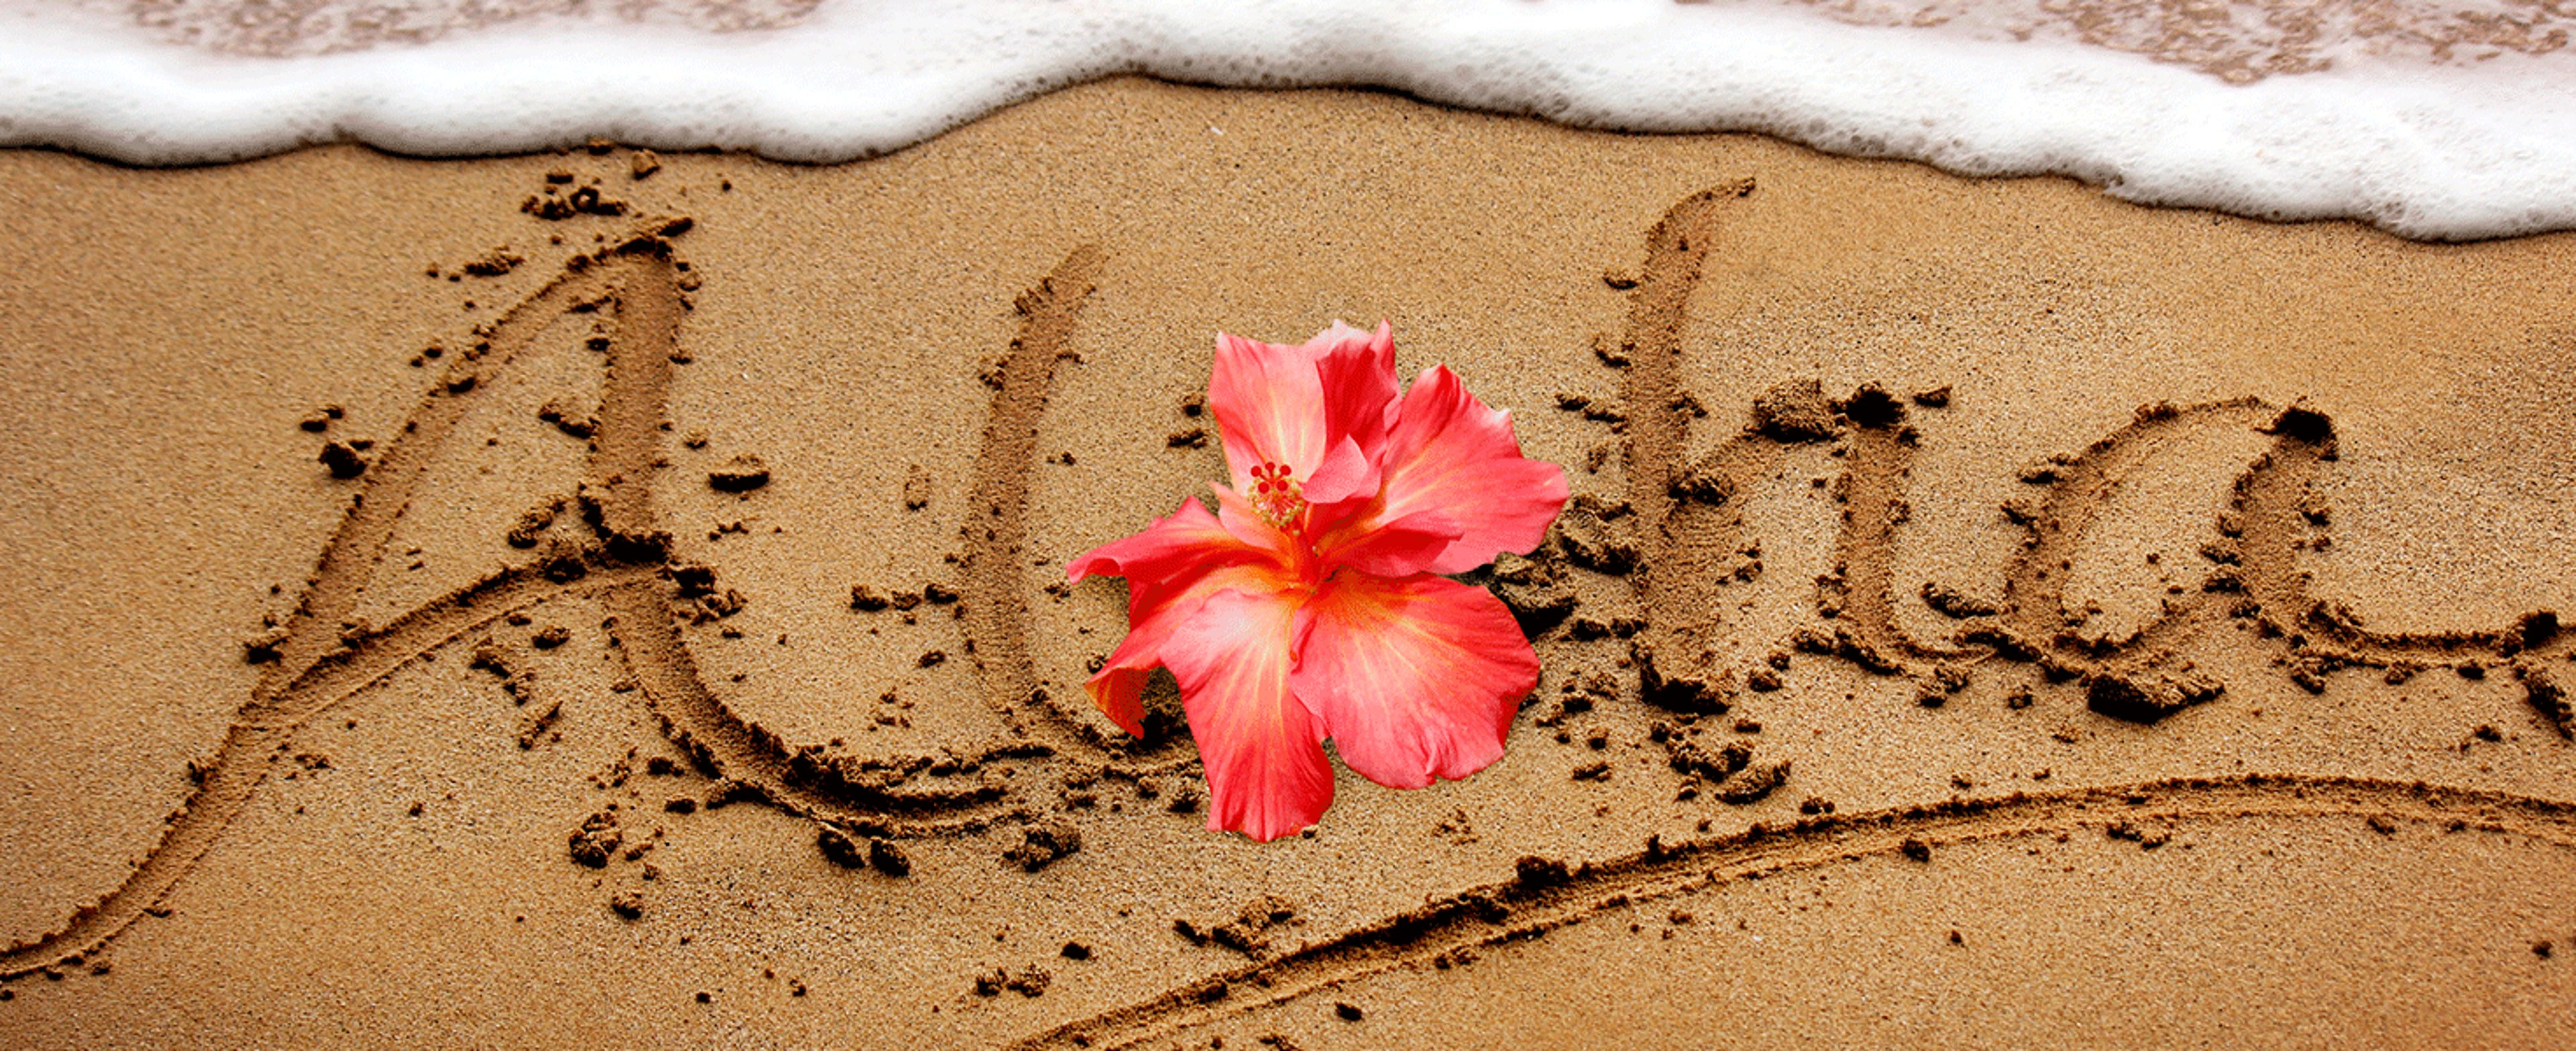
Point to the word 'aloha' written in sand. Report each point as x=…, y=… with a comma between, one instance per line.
x=1675, y=536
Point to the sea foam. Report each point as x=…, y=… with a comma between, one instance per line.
x=2452, y=120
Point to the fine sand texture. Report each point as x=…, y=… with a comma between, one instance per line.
x=598, y=599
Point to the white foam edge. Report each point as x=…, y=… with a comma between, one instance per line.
x=2445, y=153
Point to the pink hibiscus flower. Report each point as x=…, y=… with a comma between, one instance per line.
x=1311, y=604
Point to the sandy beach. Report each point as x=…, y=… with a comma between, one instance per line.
x=607, y=598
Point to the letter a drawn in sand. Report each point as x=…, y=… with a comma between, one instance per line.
x=323, y=658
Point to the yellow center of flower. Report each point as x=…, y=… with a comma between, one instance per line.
x=1278, y=497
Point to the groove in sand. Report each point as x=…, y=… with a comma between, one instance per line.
x=1545, y=895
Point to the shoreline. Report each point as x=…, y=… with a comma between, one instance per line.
x=2435, y=121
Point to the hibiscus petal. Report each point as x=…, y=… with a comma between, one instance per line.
x=1391, y=549
x=1153, y=614
x=1450, y=453
x=1171, y=568
x=1294, y=405
x=1267, y=775
x=1118, y=688
x=1185, y=541
x=1269, y=406
x=1185, y=552
x=1414, y=678
x=1358, y=375
x=1346, y=472
x=1250, y=529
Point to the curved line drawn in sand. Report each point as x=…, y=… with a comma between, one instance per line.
x=997, y=584
x=1546, y=895
x=1685, y=519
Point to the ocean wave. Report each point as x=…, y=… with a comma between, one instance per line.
x=2431, y=120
